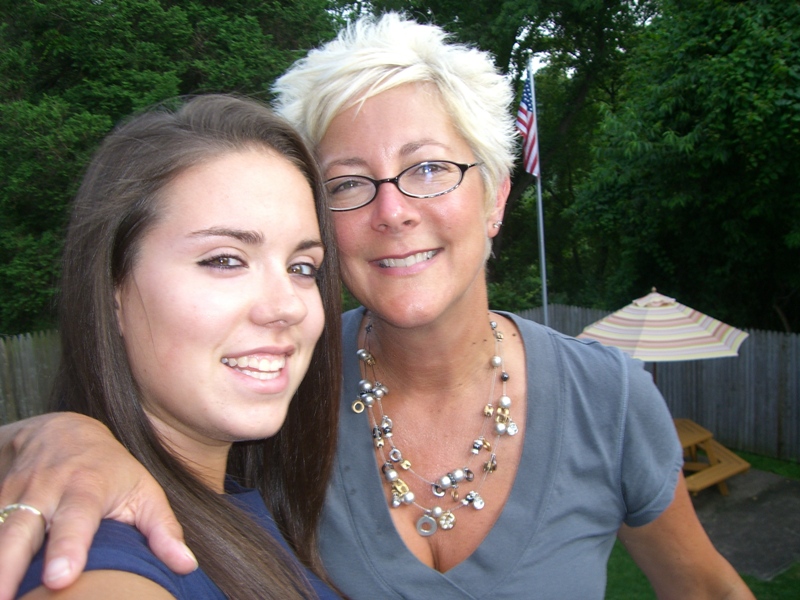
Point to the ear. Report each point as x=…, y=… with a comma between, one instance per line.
x=499, y=208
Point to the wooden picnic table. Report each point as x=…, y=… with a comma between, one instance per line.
x=720, y=465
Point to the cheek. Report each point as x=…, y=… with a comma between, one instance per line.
x=349, y=241
x=348, y=229
x=316, y=316
x=159, y=324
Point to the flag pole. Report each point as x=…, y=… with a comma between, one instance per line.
x=540, y=212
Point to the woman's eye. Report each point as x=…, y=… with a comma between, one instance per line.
x=431, y=168
x=303, y=269
x=344, y=186
x=223, y=261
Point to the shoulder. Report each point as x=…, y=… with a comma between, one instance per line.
x=581, y=358
x=105, y=584
x=121, y=553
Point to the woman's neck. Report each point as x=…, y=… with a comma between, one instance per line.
x=434, y=358
x=208, y=462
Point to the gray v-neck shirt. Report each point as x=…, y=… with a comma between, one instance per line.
x=600, y=450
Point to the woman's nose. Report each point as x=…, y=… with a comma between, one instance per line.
x=278, y=303
x=392, y=210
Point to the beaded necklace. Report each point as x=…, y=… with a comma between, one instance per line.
x=371, y=395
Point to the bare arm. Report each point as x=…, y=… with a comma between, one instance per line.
x=100, y=585
x=72, y=469
x=679, y=559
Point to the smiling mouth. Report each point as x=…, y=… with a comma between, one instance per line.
x=257, y=368
x=389, y=263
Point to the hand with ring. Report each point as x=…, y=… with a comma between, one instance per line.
x=5, y=512
x=67, y=471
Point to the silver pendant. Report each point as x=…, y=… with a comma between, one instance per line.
x=512, y=428
x=436, y=490
x=447, y=520
x=474, y=498
x=426, y=526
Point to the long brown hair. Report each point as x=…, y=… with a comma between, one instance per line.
x=117, y=203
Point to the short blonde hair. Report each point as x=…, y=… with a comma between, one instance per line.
x=371, y=56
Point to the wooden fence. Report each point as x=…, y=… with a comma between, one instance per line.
x=750, y=402
x=28, y=365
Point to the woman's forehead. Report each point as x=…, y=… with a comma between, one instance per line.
x=398, y=122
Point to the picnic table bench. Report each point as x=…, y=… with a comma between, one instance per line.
x=720, y=463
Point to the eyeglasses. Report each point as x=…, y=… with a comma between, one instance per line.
x=424, y=180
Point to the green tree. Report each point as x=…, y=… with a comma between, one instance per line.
x=695, y=182
x=71, y=69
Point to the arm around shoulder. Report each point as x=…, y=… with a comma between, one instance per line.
x=73, y=470
x=678, y=558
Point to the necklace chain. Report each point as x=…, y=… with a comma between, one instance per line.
x=371, y=395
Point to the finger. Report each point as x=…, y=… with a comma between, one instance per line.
x=21, y=536
x=153, y=516
x=165, y=540
x=72, y=530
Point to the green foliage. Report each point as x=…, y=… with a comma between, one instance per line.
x=668, y=133
x=517, y=293
x=42, y=149
x=785, y=586
x=71, y=69
x=784, y=468
x=625, y=580
x=695, y=184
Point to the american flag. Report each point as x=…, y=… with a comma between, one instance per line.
x=526, y=123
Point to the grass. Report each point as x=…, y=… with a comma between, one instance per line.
x=627, y=582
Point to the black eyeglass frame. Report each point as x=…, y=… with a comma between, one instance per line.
x=463, y=167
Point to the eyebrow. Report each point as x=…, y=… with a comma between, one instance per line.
x=405, y=150
x=248, y=237
x=253, y=238
x=309, y=244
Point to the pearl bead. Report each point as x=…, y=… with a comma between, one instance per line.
x=391, y=475
x=437, y=512
x=459, y=475
x=408, y=498
x=368, y=399
x=445, y=482
x=364, y=385
x=500, y=428
x=496, y=361
x=504, y=402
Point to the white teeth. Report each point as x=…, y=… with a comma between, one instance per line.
x=258, y=368
x=407, y=261
x=271, y=365
x=259, y=375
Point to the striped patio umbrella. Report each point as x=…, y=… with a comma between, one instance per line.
x=656, y=328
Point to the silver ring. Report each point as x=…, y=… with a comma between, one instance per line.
x=6, y=511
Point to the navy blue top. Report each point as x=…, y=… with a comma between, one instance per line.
x=120, y=547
